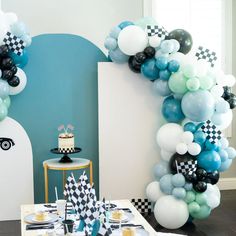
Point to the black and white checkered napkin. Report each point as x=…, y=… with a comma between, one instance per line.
x=156, y=30
x=186, y=167
x=142, y=205
x=211, y=131
x=206, y=54
x=14, y=43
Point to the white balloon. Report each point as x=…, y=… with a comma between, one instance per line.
x=166, y=155
x=194, y=149
x=153, y=191
x=11, y=18
x=170, y=212
x=168, y=136
x=3, y=30
x=187, y=137
x=23, y=81
x=227, y=80
x=213, y=196
x=227, y=118
x=201, y=67
x=217, y=91
x=154, y=41
x=181, y=148
x=132, y=39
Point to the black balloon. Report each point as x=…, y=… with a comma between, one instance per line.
x=14, y=81
x=227, y=92
x=3, y=51
x=232, y=101
x=7, y=63
x=192, y=178
x=149, y=52
x=13, y=69
x=201, y=174
x=184, y=38
x=200, y=186
x=213, y=177
x=134, y=65
x=140, y=57
x=7, y=74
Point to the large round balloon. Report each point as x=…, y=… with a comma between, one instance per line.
x=132, y=39
x=154, y=192
x=209, y=160
x=198, y=106
x=184, y=38
x=170, y=212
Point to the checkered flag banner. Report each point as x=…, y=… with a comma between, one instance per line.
x=142, y=205
x=83, y=180
x=211, y=131
x=156, y=30
x=14, y=43
x=206, y=54
x=186, y=167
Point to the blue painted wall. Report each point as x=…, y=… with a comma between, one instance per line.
x=61, y=89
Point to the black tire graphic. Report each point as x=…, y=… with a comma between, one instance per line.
x=5, y=145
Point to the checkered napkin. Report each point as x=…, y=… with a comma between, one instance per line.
x=14, y=43
x=206, y=54
x=156, y=30
x=142, y=205
x=83, y=180
x=211, y=131
x=186, y=167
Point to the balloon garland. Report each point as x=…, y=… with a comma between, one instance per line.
x=14, y=37
x=197, y=106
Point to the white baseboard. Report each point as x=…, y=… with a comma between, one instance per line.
x=227, y=183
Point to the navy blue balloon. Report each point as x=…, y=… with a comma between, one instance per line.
x=209, y=160
x=171, y=110
x=149, y=69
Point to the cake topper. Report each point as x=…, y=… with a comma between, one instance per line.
x=68, y=127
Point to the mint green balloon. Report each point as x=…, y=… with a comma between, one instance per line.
x=189, y=71
x=7, y=101
x=201, y=198
x=203, y=213
x=177, y=83
x=193, y=207
x=193, y=84
x=190, y=197
x=143, y=22
x=206, y=82
x=3, y=111
x=1, y=101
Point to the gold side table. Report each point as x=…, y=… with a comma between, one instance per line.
x=54, y=164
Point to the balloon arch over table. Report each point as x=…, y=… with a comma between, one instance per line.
x=197, y=107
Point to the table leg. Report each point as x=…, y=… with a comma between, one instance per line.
x=91, y=172
x=46, y=182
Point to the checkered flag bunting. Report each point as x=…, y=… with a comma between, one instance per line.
x=142, y=205
x=83, y=181
x=186, y=167
x=211, y=131
x=206, y=54
x=14, y=43
x=156, y=30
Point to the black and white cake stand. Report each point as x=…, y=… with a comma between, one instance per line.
x=65, y=158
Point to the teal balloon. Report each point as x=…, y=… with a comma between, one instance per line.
x=166, y=185
x=171, y=110
x=212, y=146
x=4, y=89
x=3, y=111
x=161, y=169
x=149, y=69
x=164, y=74
x=19, y=61
x=199, y=137
x=231, y=152
x=124, y=24
x=161, y=87
x=179, y=193
x=198, y=106
x=118, y=56
x=225, y=165
x=209, y=160
x=190, y=126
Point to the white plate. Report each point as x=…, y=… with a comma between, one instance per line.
x=30, y=219
x=127, y=216
x=45, y=220
x=139, y=232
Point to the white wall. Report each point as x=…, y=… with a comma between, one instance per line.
x=91, y=19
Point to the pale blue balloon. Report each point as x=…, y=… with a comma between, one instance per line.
x=19, y=29
x=114, y=33
x=4, y=89
x=179, y=193
x=188, y=186
x=217, y=118
x=27, y=39
x=166, y=184
x=176, y=45
x=161, y=169
x=222, y=106
x=118, y=56
x=178, y=180
x=198, y=106
x=231, y=152
x=225, y=165
x=110, y=43
x=223, y=155
x=167, y=46
x=224, y=142
x=161, y=87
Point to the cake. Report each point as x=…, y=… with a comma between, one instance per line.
x=41, y=215
x=66, y=140
x=117, y=215
x=128, y=232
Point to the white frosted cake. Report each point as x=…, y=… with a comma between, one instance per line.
x=66, y=142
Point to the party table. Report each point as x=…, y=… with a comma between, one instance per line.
x=138, y=219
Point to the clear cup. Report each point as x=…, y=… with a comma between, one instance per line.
x=61, y=205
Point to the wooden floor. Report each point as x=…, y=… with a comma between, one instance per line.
x=222, y=221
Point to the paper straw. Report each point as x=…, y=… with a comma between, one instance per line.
x=56, y=193
x=67, y=230
x=66, y=211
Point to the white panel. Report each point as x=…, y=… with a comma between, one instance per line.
x=16, y=171
x=129, y=117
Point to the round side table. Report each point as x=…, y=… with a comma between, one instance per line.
x=54, y=164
